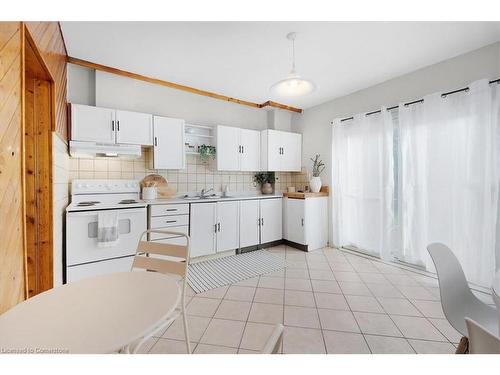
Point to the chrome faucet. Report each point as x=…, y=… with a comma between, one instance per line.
x=204, y=192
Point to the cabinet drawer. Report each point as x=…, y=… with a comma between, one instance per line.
x=168, y=221
x=169, y=209
x=158, y=236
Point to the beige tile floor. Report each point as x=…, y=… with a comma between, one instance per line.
x=330, y=301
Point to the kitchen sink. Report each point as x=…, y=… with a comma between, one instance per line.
x=198, y=198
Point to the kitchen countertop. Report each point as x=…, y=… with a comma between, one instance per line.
x=231, y=197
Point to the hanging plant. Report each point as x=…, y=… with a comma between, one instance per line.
x=206, y=152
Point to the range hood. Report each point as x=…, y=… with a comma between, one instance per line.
x=79, y=149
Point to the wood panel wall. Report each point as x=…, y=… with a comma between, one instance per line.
x=50, y=43
x=12, y=257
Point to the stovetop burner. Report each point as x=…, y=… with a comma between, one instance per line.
x=89, y=203
x=128, y=201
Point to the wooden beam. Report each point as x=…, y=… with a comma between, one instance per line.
x=270, y=103
x=192, y=90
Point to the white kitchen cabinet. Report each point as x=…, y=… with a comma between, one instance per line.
x=271, y=224
x=228, y=231
x=106, y=125
x=281, y=151
x=260, y=221
x=202, y=229
x=92, y=124
x=250, y=150
x=238, y=149
x=306, y=222
x=134, y=128
x=228, y=148
x=249, y=223
x=168, y=145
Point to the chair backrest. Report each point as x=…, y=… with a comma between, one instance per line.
x=274, y=342
x=480, y=340
x=456, y=295
x=162, y=257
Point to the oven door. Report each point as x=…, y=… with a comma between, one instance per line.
x=81, y=236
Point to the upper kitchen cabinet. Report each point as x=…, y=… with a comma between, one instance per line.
x=281, y=151
x=106, y=125
x=93, y=124
x=237, y=149
x=134, y=128
x=168, y=145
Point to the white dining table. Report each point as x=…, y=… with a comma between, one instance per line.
x=97, y=315
x=496, y=296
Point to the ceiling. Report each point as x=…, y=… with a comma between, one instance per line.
x=243, y=59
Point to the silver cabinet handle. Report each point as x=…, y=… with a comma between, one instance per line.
x=171, y=209
x=171, y=221
x=215, y=228
x=302, y=220
x=218, y=227
x=112, y=125
x=156, y=141
x=118, y=125
x=242, y=149
x=262, y=221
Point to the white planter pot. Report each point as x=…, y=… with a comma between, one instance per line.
x=315, y=184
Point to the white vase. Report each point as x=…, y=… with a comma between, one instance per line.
x=315, y=184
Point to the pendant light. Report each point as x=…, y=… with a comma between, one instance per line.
x=293, y=85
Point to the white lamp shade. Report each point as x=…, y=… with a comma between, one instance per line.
x=292, y=86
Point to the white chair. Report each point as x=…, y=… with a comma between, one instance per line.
x=274, y=342
x=480, y=340
x=457, y=299
x=169, y=259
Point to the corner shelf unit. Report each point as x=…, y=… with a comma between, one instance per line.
x=197, y=135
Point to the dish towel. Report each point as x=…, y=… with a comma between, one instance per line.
x=107, y=228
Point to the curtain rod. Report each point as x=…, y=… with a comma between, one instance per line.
x=443, y=95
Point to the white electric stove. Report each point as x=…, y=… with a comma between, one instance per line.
x=84, y=258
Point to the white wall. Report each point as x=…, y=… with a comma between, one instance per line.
x=130, y=94
x=457, y=72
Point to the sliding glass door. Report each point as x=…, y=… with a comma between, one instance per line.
x=423, y=173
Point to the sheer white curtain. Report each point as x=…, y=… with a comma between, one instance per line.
x=450, y=172
x=363, y=183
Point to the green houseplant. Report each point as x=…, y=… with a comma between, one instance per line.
x=265, y=180
x=318, y=167
x=206, y=152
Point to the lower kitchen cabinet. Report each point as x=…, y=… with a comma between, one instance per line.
x=306, y=222
x=202, y=229
x=228, y=231
x=260, y=221
x=249, y=223
x=214, y=227
x=271, y=220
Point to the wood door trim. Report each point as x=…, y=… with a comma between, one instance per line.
x=192, y=90
x=46, y=275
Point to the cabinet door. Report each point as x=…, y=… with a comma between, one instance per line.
x=228, y=148
x=271, y=216
x=291, y=153
x=228, y=221
x=168, y=149
x=134, y=128
x=202, y=229
x=94, y=124
x=274, y=148
x=250, y=150
x=295, y=220
x=249, y=223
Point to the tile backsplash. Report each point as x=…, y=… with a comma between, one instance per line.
x=196, y=176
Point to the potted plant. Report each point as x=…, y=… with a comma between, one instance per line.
x=206, y=152
x=265, y=179
x=318, y=167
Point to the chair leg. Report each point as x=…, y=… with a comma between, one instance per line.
x=186, y=333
